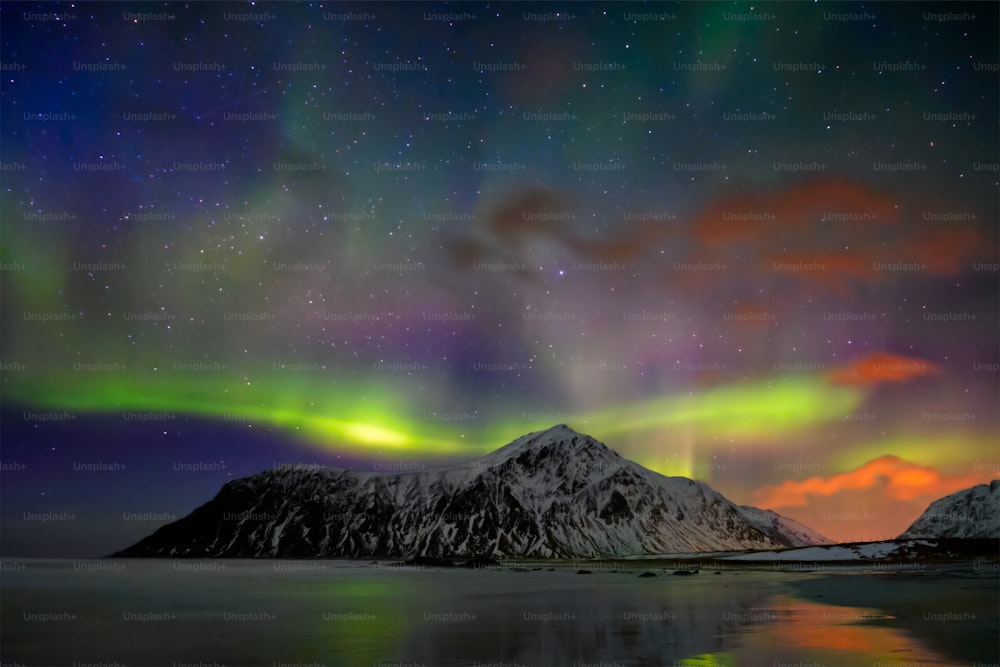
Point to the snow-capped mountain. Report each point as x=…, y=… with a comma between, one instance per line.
x=972, y=512
x=549, y=494
x=783, y=529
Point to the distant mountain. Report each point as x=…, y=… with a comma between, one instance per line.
x=549, y=494
x=930, y=550
x=783, y=529
x=972, y=512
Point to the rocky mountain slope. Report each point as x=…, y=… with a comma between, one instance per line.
x=549, y=494
x=972, y=512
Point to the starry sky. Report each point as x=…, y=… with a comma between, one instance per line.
x=753, y=244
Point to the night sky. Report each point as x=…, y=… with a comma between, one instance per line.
x=752, y=244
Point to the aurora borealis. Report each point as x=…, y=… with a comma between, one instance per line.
x=393, y=235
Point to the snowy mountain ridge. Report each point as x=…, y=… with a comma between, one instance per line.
x=969, y=513
x=549, y=494
x=784, y=528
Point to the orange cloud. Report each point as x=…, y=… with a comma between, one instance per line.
x=898, y=480
x=876, y=501
x=947, y=250
x=801, y=207
x=829, y=232
x=880, y=367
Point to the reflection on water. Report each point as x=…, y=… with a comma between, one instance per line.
x=813, y=632
x=338, y=613
x=953, y=611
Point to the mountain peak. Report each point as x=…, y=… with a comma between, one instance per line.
x=562, y=431
x=558, y=432
x=559, y=442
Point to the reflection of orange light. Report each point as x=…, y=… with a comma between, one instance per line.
x=841, y=628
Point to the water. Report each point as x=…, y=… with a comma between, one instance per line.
x=331, y=613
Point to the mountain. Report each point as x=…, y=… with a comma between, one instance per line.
x=549, y=494
x=972, y=512
x=783, y=529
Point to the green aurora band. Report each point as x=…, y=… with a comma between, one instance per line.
x=374, y=419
